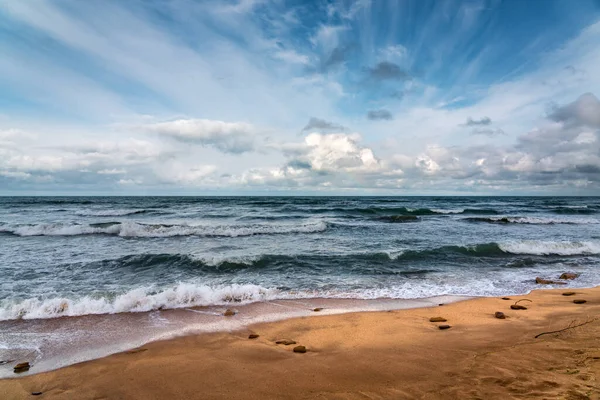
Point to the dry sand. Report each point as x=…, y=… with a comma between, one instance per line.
x=377, y=355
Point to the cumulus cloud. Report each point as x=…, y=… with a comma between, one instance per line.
x=386, y=70
x=550, y=156
x=335, y=152
x=319, y=125
x=583, y=111
x=228, y=137
x=333, y=160
x=91, y=162
x=375, y=115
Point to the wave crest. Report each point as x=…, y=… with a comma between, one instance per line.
x=562, y=248
x=134, y=229
x=136, y=300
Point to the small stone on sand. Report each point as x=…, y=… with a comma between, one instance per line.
x=442, y=327
x=568, y=293
x=579, y=301
x=253, y=336
x=542, y=281
x=518, y=307
x=437, y=319
x=506, y=298
x=22, y=367
x=299, y=349
x=285, y=342
x=500, y=315
x=317, y=309
x=568, y=275
x=36, y=393
x=229, y=313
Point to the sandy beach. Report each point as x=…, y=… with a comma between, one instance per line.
x=369, y=355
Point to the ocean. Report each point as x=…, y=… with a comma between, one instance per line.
x=140, y=262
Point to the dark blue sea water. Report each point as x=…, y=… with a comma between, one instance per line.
x=67, y=256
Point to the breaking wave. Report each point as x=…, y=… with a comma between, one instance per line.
x=135, y=229
x=136, y=300
x=523, y=247
x=562, y=248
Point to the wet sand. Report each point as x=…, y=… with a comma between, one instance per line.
x=367, y=355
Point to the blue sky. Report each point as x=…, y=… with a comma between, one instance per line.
x=300, y=97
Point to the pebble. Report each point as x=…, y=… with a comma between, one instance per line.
x=542, y=281
x=442, y=327
x=568, y=293
x=229, y=313
x=568, y=275
x=253, y=336
x=299, y=349
x=21, y=367
x=500, y=315
x=579, y=301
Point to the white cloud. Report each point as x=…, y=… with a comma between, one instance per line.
x=229, y=137
x=338, y=151
x=135, y=75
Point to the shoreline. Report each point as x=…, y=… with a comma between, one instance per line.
x=393, y=354
x=159, y=325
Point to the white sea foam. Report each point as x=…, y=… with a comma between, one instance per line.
x=448, y=211
x=59, y=229
x=219, y=259
x=563, y=248
x=136, y=300
x=133, y=229
x=189, y=294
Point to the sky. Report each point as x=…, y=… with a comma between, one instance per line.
x=380, y=97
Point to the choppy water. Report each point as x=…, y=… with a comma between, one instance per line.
x=76, y=256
